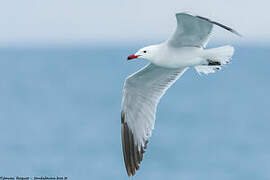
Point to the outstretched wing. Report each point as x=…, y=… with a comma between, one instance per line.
x=141, y=94
x=193, y=30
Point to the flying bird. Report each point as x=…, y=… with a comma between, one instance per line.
x=167, y=62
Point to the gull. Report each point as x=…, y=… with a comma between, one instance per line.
x=167, y=62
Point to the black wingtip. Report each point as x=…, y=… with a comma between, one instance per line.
x=237, y=33
x=221, y=25
x=132, y=155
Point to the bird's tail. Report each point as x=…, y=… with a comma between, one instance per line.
x=215, y=58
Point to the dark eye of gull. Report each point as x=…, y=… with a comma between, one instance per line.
x=144, y=51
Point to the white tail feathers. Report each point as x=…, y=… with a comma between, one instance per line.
x=222, y=55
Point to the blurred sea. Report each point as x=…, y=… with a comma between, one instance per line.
x=60, y=116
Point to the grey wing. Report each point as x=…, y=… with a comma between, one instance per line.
x=141, y=94
x=193, y=30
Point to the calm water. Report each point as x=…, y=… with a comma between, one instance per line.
x=59, y=115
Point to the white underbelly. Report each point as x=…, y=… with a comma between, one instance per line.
x=182, y=57
x=181, y=62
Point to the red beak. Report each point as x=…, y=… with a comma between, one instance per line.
x=132, y=56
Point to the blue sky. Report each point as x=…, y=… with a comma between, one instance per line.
x=123, y=20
